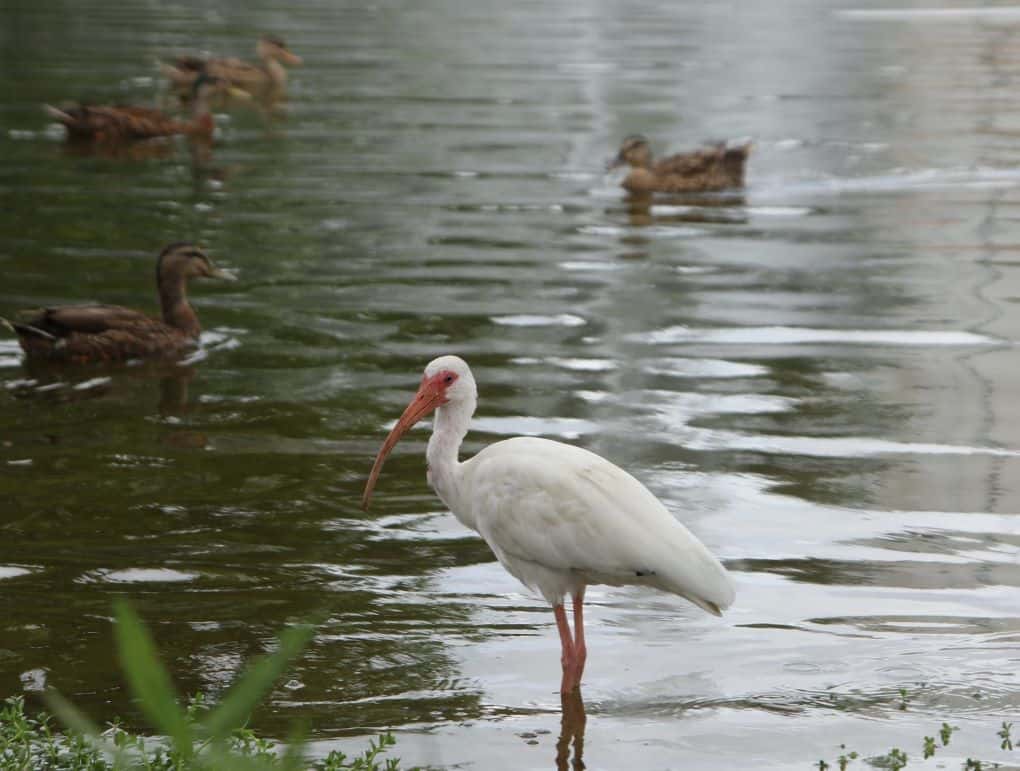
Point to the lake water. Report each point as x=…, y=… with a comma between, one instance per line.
x=819, y=376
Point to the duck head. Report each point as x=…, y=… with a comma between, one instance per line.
x=182, y=261
x=635, y=151
x=273, y=47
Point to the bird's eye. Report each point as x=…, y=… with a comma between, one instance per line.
x=448, y=379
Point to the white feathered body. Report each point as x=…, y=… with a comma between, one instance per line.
x=559, y=517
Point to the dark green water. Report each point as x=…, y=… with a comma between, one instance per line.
x=819, y=376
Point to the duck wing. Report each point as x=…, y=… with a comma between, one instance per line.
x=697, y=161
x=239, y=72
x=96, y=333
x=192, y=64
x=714, y=167
x=141, y=122
x=65, y=320
x=183, y=71
x=120, y=122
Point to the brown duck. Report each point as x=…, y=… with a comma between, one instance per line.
x=714, y=167
x=124, y=123
x=110, y=333
x=267, y=76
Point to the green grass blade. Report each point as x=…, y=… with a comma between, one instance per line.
x=76, y=722
x=293, y=758
x=149, y=680
x=246, y=693
x=70, y=715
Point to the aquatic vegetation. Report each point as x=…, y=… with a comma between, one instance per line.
x=35, y=742
x=904, y=699
x=946, y=732
x=844, y=759
x=200, y=735
x=897, y=758
x=1007, y=740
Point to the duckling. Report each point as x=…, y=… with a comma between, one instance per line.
x=123, y=123
x=82, y=334
x=269, y=76
x=714, y=167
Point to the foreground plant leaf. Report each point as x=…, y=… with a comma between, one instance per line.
x=70, y=715
x=149, y=680
x=245, y=695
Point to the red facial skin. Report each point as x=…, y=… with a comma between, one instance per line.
x=431, y=394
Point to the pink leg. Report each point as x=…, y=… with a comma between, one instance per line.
x=568, y=657
x=580, y=649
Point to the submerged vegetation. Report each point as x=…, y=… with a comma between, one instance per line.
x=200, y=735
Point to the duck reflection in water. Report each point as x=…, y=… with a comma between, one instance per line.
x=128, y=383
x=710, y=209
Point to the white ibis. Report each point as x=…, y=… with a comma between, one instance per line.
x=556, y=516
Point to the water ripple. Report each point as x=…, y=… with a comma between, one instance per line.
x=531, y=320
x=800, y=336
x=138, y=575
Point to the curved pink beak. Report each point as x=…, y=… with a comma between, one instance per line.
x=430, y=395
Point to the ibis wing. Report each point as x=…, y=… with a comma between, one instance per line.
x=566, y=509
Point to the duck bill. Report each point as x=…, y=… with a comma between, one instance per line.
x=614, y=163
x=223, y=274
x=429, y=397
x=291, y=58
x=238, y=94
